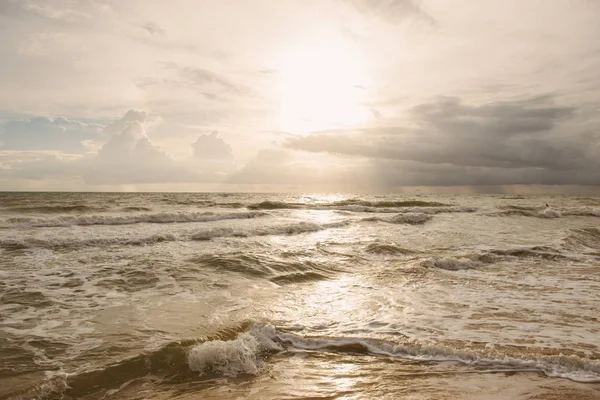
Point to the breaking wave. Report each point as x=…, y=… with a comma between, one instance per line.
x=70, y=244
x=244, y=350
x=59, y=243
x=514, y=358
x=547, y=213
x=476, y=260
x=346, y=204
x=288, y=229
x=240, y=356
x=158, y=218
x=406, y=218
x=279, y=271
x=387, y=248
x=56, y=209
x=451, y=263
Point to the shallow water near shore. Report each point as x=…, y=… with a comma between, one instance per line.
x=220, y=296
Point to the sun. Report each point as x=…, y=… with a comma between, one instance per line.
x=321, y=86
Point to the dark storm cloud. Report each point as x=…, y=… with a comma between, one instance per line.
x=530, y=141
x=390, y=173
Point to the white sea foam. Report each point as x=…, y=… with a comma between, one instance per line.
x=68, y=243
x=234, y=357
x=550, y=213
x=287, y=229
x=410, y=218
x=570, y=367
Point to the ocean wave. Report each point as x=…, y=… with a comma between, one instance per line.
x=539, y=252
x=387, y=248
x=478, y=259
x=407, y=218
x=274, y=205
x=548, y=213
x=410, y=218
x=584, y=212
x=345, y=204
x=514, y=358
x=56, y=209
x=244, y=350
x=287, y=229
x=279, y=271
x=240, y=356
x=157, y=218
x=451, y=263
x=136, y=208
x=583, y=238
x=59, y=243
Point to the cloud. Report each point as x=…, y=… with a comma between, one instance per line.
x=212, y=155
x=61, y=12
x=275, y=166
x=152, y=29
x=529, y=141
x=43, y=133
x=127, y=156
x=301, y=171
x=210, y=84
x=130, y=157
x=393, y=10
x=211, y=147
x=271, y=166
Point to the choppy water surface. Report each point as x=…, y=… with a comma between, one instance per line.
x=220, y=296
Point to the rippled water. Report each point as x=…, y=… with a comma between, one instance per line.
x=220, y=296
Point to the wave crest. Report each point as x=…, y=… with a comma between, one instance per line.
x=239, y=356
x=158, y=218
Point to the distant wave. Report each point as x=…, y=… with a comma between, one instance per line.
x=157, y=218
x=406, y=218
x=136, y=208
x=60, y=243
x=349, y=205
x=57, y=209
x=547, y=213
x=286, y=229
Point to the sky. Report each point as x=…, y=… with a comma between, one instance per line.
x=300, y=95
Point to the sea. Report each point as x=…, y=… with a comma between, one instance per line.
x=299, y=296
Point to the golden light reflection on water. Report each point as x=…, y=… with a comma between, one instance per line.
x=334, y=302
x=321, y=198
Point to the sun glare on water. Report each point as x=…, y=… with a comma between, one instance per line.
x=321, y=87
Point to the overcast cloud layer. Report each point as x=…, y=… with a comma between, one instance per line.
x=298, y=95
